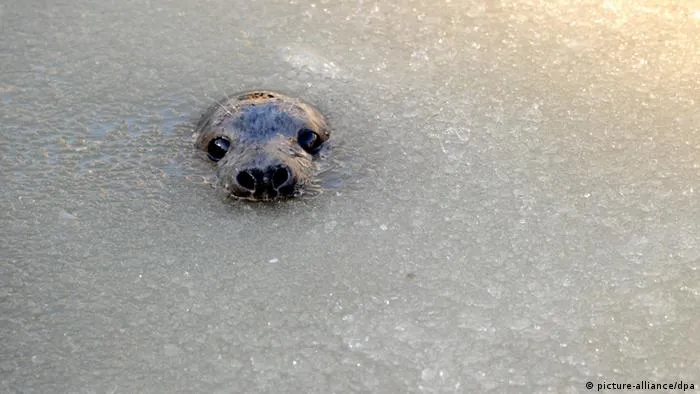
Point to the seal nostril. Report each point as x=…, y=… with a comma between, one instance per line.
x=246, y=180
x=280, y=177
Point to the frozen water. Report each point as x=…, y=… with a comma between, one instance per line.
x=521, y=213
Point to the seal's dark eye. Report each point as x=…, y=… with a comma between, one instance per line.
x=218, y=147
x=309, y=140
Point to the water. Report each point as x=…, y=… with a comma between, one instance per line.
x=521, y=213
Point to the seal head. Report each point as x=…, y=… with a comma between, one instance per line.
x=265, y=144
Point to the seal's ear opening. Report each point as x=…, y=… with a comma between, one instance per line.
x=309, y=141
x=217, y=148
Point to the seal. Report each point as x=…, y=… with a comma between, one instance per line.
x=265, y=144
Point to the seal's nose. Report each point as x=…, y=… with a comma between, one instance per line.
x=268, y=182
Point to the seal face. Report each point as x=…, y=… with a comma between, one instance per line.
x=265, y=144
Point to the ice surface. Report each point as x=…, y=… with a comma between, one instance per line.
x=521, y=213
